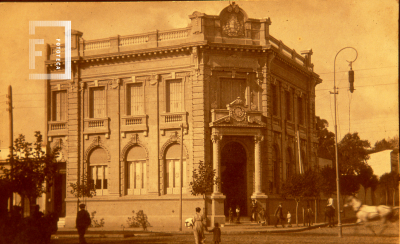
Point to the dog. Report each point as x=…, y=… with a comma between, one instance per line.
x=189, y=222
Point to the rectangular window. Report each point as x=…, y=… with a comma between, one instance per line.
x=97, y=102
x=135, y=99
x=136, y=177
x=98, y=177
x=288, y=106
x=59, y=112
x=230, y=90
x=275, y=101
x=300, y=110
x=174, y=93
x=173, y=175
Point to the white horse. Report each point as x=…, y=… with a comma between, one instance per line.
x=364, y=213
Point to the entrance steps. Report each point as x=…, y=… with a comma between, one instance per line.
x=244, y=221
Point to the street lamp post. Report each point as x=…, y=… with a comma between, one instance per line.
x=336, y=149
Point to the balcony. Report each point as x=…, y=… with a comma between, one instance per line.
x=173, y=121
x=134, y=123
x=57, y=128
x=96, y=126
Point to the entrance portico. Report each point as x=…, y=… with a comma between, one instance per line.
x=237, y=123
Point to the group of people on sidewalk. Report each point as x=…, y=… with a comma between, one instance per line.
x=280, y=218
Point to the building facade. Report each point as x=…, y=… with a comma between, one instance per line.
x=244, y=101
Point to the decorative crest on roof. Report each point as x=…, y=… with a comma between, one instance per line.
x=232, y=21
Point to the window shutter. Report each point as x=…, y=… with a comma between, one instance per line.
x=136, y=99
x=98, y=103
x=175, y=96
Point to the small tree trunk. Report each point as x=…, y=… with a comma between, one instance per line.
x=365, y=195
x=205, y=209
x=304, y=222
x=315, y=211
x=394, y=197
x=386, y=196
x=297, y=215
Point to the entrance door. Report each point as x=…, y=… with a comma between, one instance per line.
x=60, y=194
x=233, y=177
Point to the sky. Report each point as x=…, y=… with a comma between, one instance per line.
x=369, y=26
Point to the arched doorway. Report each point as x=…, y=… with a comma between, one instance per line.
x=233, y=177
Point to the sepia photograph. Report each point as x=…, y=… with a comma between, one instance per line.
x=199, y=122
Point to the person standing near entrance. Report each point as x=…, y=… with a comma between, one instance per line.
x=82, y=223
x=279, y=216
x=310, y=214
x=237, y=214
x=198, y=227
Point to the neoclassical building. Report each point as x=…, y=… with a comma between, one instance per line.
x=245, y=100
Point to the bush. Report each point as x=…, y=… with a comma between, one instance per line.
x=139, y=220
x=95, y=223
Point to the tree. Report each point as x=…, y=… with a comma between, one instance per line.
x=31, y=168
x=203, y=180
x=390, y=143
x=82, y=189
x=328, y=180
x=326, y=140
x=365, y=178
x=373, y=184
x=390, y=182
x=302, y=186
x=352, y=153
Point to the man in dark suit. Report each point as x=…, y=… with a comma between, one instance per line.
x=279, y=216
x=82, y=223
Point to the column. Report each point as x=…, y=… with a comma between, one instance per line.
x=217, y=198
x=258, y=195
x=216, y=161
x=257, y=161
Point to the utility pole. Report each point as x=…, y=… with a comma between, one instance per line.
x=181, y=181
x=351, y=81
x=11, y=137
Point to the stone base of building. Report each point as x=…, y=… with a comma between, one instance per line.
x=162, y=212
x=217, y=209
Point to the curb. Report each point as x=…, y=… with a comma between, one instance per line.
x=266, y=230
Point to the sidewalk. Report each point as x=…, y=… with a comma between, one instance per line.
x=244, y=228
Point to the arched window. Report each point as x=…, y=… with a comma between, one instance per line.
x=275, y=161
x=98, y=171
x=136, y=171
x=172, y=170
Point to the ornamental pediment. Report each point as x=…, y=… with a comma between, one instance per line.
x=237, y=114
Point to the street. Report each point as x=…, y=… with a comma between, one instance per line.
x=351, y=234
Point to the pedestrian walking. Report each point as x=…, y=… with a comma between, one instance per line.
x=230, y=215
x=310, y=215
x=198, y=227
x=216, y=233
x=82, y=223
x=289, y=219
x=237, y=214
x=279, y=215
